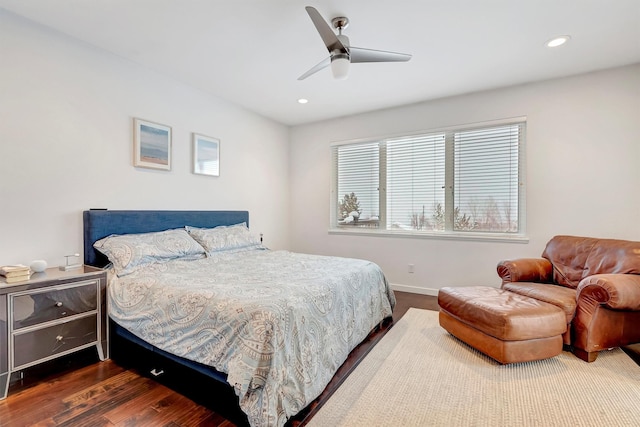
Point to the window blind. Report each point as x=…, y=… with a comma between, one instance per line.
x=486, y=178
x=415, y=177
x=358, y=169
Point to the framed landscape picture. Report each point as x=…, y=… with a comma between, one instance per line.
x=206, y=155
x=151, y=145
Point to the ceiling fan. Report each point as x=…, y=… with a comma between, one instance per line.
x=341, y=53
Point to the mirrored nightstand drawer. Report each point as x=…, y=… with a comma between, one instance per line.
x=40, y=344
x=53, y=304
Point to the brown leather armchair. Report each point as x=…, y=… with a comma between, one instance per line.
x=595, y=281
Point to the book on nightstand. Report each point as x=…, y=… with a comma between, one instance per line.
x=15, y=273
x=14, y=279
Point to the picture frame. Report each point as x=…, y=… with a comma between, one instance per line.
x=151, y=145
x=206, y=155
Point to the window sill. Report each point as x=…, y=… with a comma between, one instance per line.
x=478, y=237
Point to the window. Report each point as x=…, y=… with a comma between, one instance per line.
x=460, y=180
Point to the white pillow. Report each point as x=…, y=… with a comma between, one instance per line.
x=224, y=238
x=128, y=252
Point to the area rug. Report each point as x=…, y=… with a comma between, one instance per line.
x=420, y=375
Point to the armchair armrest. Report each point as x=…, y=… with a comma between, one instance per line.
x=526, y=270
x=616, y=291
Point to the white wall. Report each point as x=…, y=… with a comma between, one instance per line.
x=66, y=112
x=583, y=175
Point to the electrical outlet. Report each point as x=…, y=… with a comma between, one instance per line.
x=411, y=268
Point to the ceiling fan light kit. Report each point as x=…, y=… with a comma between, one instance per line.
x=341, y=53
x=340, y=66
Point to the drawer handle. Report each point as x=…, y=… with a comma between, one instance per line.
x=58, y=304
x=59, y=338
x=156, y=373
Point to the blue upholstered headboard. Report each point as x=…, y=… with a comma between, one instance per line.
x=102, y=223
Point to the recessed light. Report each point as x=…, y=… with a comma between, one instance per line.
x=558, y=41
x=302, y=101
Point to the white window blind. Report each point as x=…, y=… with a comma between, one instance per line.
x=486, y=181
x=464, y=179
x=415, y=172
x=358, y=169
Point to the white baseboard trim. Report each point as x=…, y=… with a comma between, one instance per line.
x=414, y=289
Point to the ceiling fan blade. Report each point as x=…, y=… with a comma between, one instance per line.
x=323, y=64
x=329, y=38
x=359, y=54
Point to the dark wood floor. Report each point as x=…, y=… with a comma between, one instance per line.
x=78, y=391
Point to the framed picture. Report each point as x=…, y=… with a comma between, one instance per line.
x=151, y=145
x=206, y=155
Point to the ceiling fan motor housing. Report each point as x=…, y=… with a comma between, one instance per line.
x=344, y=40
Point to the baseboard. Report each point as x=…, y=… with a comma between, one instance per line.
x=414, y=289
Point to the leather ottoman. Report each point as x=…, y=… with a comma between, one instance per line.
x=508, y=327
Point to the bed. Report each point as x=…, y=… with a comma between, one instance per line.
x=271, y=326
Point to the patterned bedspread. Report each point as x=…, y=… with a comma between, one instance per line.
x=278, y=323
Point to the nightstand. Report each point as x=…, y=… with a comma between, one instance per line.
x=52, y=314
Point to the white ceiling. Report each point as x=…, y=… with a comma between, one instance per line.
x=251, y=52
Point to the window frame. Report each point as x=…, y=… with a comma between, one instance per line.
x=449, y=233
